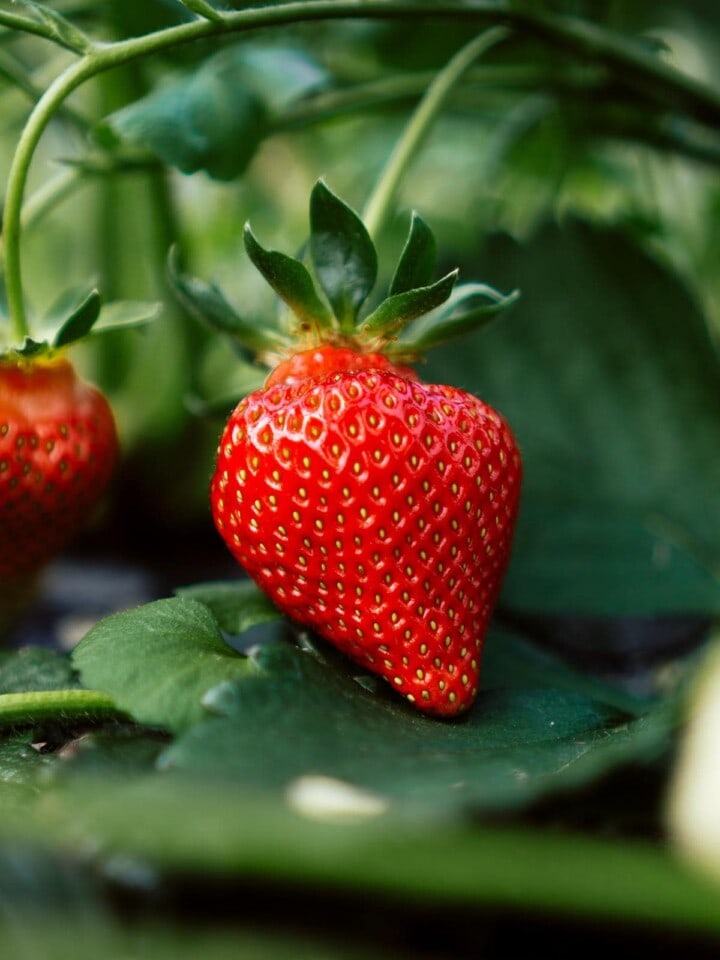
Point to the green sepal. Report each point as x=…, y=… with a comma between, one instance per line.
x=206, y=302
x=79, y=322
x=125, y=314
x=343, y=254
x=460, y=315
x=398, y=311
x=292, y=282
x=29, y=348
x=80, y=314
x=416, y=266
x=88, y=316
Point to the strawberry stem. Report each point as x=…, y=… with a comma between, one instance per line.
x=23, y=709
x=380, y=202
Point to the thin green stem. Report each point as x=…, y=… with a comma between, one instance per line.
x=24, y=709
x=43, y=112
x=635, y=66
x=380, y=202
x=15, y=22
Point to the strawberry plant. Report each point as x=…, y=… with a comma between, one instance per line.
x=369, y=506
x=58, y=448
x=287, y=631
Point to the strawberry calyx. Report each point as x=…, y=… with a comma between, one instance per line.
x=327, y=299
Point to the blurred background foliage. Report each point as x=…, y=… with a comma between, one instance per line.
x=591, y=187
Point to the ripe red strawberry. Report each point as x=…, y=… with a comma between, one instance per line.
x=374, y=508
x=378, y=511
x=58, y=448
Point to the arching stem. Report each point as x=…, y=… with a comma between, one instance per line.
x=380, y=203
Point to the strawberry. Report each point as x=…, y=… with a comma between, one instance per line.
x=374, y=508
x=58, y=443
x=58, y=448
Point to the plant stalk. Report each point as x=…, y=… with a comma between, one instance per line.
x=24, y=709
x=380, y=203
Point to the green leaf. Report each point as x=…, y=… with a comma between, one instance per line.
x=79, y=314
x=398, y=311
x=236, y=605
x=80, y=321
x=610, y=380
x=19, y=766
x=207, y=303
x=207, y=120
x=468, y=307
x=74, y=932
x=280, y=74
x=220, y=832
x=157, y=661
x=416, y=266
x=563, y=561
x=292, y=283
x=33, y=668
x=510, y=660
x=125, y=314
x=343, y=254
x=299, y=716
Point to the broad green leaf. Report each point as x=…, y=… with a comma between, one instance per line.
x=76, y=934
x=278, y=73
x=611, y=382
x=19, y=764
x=300, y=716
x=562, y=553
x=112, y=752
x=416, y=266
x=236, y=605
x=34, y=668
x=292, y=283
x=401, y=309
x=157, y=661
x=206, y=120
x=343, y=254
x=469, y=306
x=509, y=660
x=222, y=832
x=207, y=303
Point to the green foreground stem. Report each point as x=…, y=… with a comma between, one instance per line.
x=24, y=709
